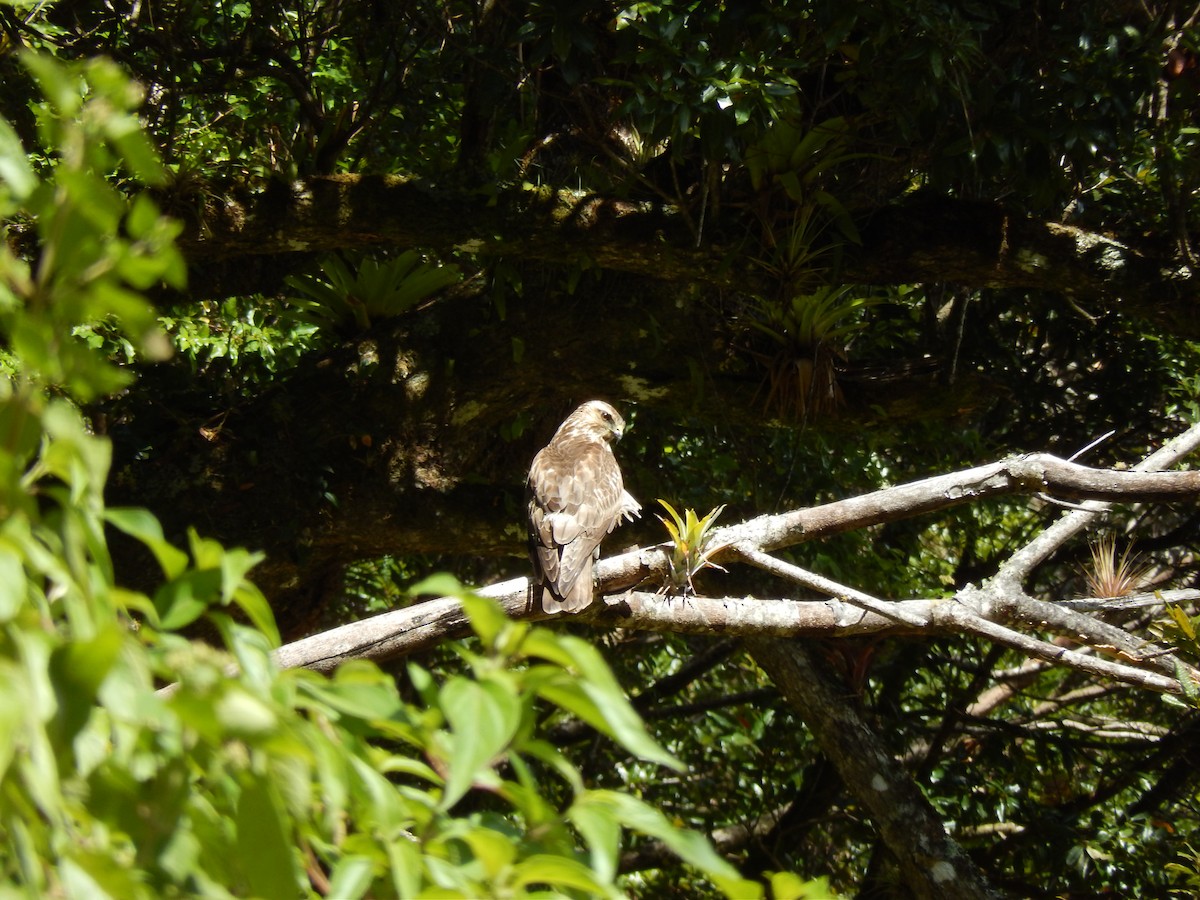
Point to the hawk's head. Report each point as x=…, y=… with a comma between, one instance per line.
x=594, y=420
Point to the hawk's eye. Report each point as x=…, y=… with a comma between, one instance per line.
x=607, y=416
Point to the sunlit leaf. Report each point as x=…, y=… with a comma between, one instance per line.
x=483, y=719
x=145, y=527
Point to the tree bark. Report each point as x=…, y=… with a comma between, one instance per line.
x=999, y=610
x=932, y=864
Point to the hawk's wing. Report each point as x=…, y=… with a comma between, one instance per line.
x=576, y=497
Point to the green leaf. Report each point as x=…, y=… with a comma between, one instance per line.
x=1182, y=621
x=357, y=689
x=263, y=845
x=234, y=563
x=790, y=886
x=15, y=170
x=76, y=670
x=137, y=151
x=253, y=603
x=561, y=872
x=483, y=719
x=352, y=877
x=59, y=84
x=487, y=617
x=494, y=850
x=144, y=526
x=440, y=584
x=690, y=846
x=183, y=600
x=602, y=833
x=13, y=583
x=13, y=710
x=1187, y=683
x=597, y=698
x=675, y=526
x=386, y=809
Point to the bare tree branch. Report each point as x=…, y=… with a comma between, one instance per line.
x=1025, y=560
x=999, y=610
x=1130, y=601
x=1031, y=474
x=816, y=582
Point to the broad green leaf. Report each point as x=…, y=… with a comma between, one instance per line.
x=690, y=846
x=441, y=584
x=254, y=604
x=542, y=643
x=59, y=83
x=264, y=846
x=493, y=850
x=357, y=689
x=562, y=872
x=12, y=713
x=144, y=526
x=241, y=714
x=182, y=601
x=602, y=833
x=608, y=699
x=137, y=152
x=15, y=171
x=77, y=669
x=623, y=726
x=234, y=563
x=406, y=867
x=483, y=719
x=77, y=881
x=352, y=877
x=13, y=583
x=387, y=809
x=487, y=617
x=790, y=886
x=20, y=423
x=206, y=553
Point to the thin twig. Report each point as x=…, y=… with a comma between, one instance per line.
x=820, y=583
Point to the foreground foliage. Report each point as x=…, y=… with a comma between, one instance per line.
x=738, y=166
x=135, y=762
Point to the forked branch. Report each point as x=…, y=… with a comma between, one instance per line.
x=1000, y=609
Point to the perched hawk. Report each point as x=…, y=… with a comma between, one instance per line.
x=576, y=497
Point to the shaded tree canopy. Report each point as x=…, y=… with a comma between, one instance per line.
x=812, y=251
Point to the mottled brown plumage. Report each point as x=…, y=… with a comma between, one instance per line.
x=576, y=497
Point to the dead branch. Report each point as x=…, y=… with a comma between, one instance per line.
x=999, y=610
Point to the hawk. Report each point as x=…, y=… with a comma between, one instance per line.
x=576, y=497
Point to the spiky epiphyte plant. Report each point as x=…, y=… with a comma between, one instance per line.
x=1182, y=633
x=352, y=296
x=1113, y=576
x=693, y=550
x=809, y=333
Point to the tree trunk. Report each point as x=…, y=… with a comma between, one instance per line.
x=932, y=865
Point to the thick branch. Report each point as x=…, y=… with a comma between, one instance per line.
x=1036, y=473
x=989, y=611
x=983, y=245
x=404, y=631
x=974, y=244
x=1037, y=551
